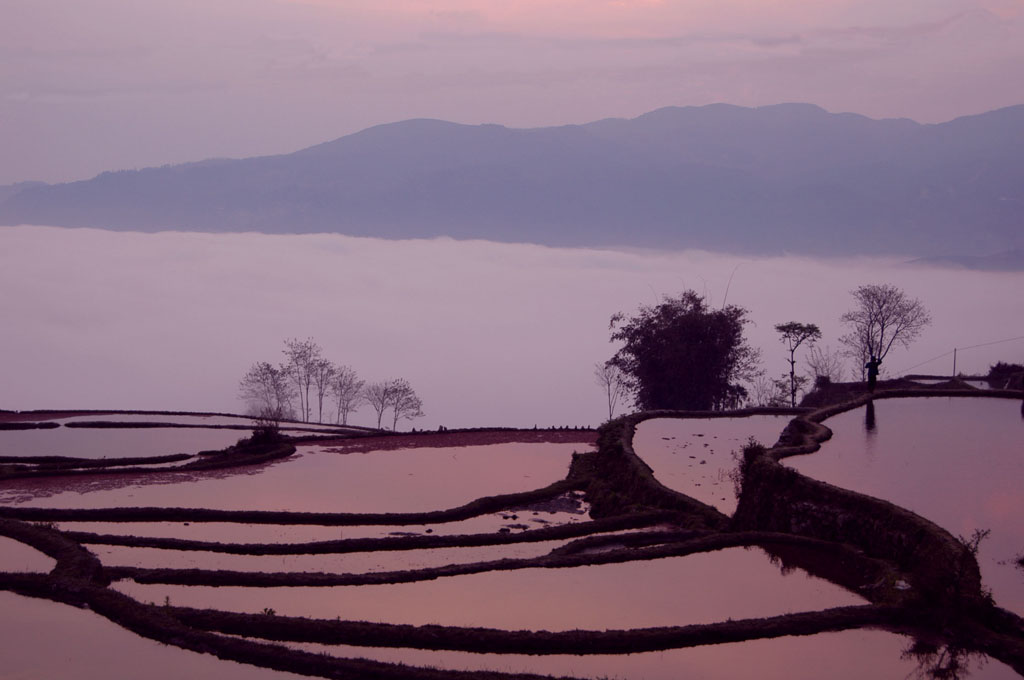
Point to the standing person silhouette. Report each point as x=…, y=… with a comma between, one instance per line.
x=872, y=367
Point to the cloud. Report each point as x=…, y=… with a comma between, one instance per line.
x=487, y=333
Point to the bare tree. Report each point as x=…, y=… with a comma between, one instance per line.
x=612, y=382
x=825, y=363
x=404, y=403
x=323, y=376
x=378, y=395
x=883, y=315
x=347, y=391
x=303, y=357
x=793, y=335
x=772, y=392
x=266, y=390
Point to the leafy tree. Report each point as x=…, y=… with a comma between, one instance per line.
x=683, y=355
x=347, y=392
x=793, y=335
x=882, y=316
x=611, y=381
x=266, y=390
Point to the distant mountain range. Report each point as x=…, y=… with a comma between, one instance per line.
x=774, y=179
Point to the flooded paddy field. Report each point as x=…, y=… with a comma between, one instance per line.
x=228, y=532
x=16, y=556
x=614, y=571
x=358, y=562
x=81, y=645
x=695, y=456
x=956, y=461
x=701, y=588
x=846, y=655
x=316, y=479
x=96, y=443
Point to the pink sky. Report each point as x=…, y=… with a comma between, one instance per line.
x=93, y=85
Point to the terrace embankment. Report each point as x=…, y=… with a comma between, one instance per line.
x=617, y=481
x=778, y=498
x=942, y=571
x=245, y=452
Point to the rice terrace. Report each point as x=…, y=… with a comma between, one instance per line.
x=665, y=544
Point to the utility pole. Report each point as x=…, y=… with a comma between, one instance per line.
x=954, y=362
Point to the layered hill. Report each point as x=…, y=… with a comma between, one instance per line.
x=785, y=178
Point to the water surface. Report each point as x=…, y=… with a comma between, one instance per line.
x=80, y=442
x=695, y=456
x=318, y=480
x=702, y=588
x=846, y=655
x=956, y=461
x=16, y=556
x=47, y=640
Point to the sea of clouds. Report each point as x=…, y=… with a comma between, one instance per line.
x=487, y=333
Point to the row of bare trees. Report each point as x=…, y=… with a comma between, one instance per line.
x=307, y=378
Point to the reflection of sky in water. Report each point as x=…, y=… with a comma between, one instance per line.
x=227, y=532
x=701, y=588
x=16, y=556
x=316, y=480
x=43, y=639
x=695, y=455
x=846, y=655
x=82, y=442
x=391, y=560
x=954, y=461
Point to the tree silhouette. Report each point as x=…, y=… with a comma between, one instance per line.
x=882, y=316
x=793, y=335
x=682, y=355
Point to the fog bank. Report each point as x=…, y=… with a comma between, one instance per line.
x=487, y=333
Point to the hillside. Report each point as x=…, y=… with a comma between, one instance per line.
x=785, y=178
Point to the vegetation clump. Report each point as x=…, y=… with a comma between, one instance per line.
x=682, y=354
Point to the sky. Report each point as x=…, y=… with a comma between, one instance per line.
x=488, y=334
x=93, y=85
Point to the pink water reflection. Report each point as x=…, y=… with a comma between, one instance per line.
x=703, y=588
x=316, y=480
x=847, y=655
x=81, y=442
x=396, y=560
x=47, y=640
x=956, y=461
x=16, y=556
x=226, y=532
x=695, y=455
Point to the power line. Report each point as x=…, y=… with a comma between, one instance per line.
x=960, y=349
x=995, y=342
x=907, y=370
